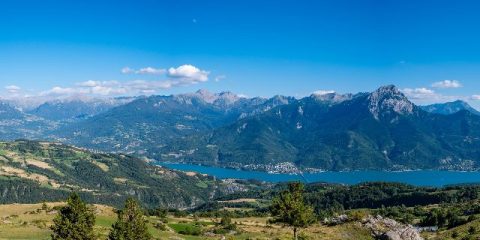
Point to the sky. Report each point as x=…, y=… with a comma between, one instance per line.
x=55, y=48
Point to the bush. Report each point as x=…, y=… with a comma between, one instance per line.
x=160, y=226
x=357, y=215
x=191, y=230
x=187, y=229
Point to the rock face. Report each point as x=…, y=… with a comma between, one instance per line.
x=389, y=229
x=331, y=97
x=388, y=99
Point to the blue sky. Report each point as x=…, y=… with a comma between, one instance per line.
x=256, y=48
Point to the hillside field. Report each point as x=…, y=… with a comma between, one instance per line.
x=29, y=221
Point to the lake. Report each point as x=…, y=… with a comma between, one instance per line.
x=433, y=178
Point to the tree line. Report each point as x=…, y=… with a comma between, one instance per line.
x=76, y=220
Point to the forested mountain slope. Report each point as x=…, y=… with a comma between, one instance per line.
x=378, y=130
x=42, y=171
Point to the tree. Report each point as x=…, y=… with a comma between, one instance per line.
x=44, y=206
x=290, y=209
x=226, y=222
x=131, y=223
x=472, y=230
x=74, y=221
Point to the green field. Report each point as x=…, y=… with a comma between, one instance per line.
x=29, y=221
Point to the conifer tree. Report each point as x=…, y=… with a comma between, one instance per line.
x=130, y=224
x=74, y=221
x=290, y=209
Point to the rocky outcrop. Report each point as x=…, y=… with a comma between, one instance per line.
x=387, y=100
x=389, y=229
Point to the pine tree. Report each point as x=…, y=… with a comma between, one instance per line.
x=131, y=224
x=290, y=209
x=75, y=221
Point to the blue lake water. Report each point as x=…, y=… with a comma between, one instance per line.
x=419, y=178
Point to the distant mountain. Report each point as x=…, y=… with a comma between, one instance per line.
x=15, y=124
x=76, y=109
x=19, y=121
x=450, y=108
x=326, y=130
x=378, y=130
x=43, y=171
x=147, y=124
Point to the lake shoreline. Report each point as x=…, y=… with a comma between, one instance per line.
x=431, y=178
x=317, y=170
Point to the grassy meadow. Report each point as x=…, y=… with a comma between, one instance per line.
x=31, y=221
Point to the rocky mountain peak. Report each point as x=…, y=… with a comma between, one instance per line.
x=226, y=98
x=331, y=97
x=223, y=98
x=388, y=91
x=280, y=100
x=205, y=95
x=388, y=99
x=7, y=111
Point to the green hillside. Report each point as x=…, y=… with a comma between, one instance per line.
x=40, y=171
x=381, y=130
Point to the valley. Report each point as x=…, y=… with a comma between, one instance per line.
x=380, y=130
x=239, y=120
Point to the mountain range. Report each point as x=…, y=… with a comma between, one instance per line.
x=450, y=108
x=377, y=130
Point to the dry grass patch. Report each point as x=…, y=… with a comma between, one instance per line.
x=191, y=174
x=240, y=200
x=18, y=172
x=38, y=163
x=101, y=165
x=120, y=180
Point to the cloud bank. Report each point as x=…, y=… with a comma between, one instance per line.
x=322, y=92
x=12, y=89
x=447, y=84
x=184, y=75
x=145, y=71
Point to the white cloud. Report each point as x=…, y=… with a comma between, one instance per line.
x=145, y=70
x=323, y=92
x=429, y=96
x=57, y=91
x=447, y=84
x=188, y=74
x=475, y=97
x=181, y=76
x=127, y=70
x=220, y=78
x=89, y=83
x=150, y=70
x=420, y=93
x=99, y=88
x=13, y=89
x=115, y=88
